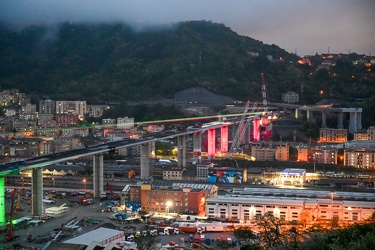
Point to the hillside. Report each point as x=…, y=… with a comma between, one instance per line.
x=103, y=62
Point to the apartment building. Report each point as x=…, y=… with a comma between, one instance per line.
x=333, y=135
x=360, y=158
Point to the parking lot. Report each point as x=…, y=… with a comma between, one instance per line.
x=89, y=217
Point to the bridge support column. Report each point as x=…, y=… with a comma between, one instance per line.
x=145, y=161
x=211, y=146
x=310, y=116
x=2, y=201
x=181, y=145
x=340, y=122
x=224, y=139
x=297, y=114
x=324, y=119
x=359, y=121
x=197, y=144
x=256, y=129
x=98, y=175
x=37, y=192
x=353, y=122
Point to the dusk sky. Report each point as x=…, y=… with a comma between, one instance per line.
x=305, y=26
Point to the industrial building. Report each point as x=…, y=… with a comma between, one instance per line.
x=289, y=204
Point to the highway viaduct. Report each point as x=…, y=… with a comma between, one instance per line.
x=36, y=164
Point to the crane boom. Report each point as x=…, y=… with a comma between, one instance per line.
x=236, y=139
x=242, y=127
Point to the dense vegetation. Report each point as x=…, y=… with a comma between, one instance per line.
x=113, y=62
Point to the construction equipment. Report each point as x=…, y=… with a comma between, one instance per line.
x=18, y=205
x=9, y=236
x=242, y=127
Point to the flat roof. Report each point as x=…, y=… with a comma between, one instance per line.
x=294, y=171
x=98, y=235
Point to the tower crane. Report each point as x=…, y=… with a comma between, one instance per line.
x=264, y=94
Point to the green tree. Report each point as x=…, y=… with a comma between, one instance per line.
x=271, y=229
x=245, y=235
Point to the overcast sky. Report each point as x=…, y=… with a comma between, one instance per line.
x=305, y=26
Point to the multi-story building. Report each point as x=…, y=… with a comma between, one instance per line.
x=290, y=97
x=46, y=120
x=71, y=107
x=261, y=153
x=47, y=107
x=97, y=110
x=24, y=127
x=360, y=158
x=282, y=152
x=203, y=170
x=369, y=134
x=125, y=122
x=70, y=132
x=47, y=147
x=5, y=98
x=304, y=154
x=177, y=197
x=51, y=130
x=333, y=135
x=172, y=173
x=66, y=120
x=325, y=155
x=67, y=143
x=360, y=135
x=109, y=123
x=292, y=205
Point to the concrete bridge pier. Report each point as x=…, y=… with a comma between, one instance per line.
x=211, y=144
x=340, y=122
x=353, y=122
x=310, y=116
x=224, y=139
x=197, y=145
x=324, y=119
x=37, y=192
x=2, y=201
x=98, y=175
x=359, y=121
x=145, y=161
x=181, y=145
x=298, y=114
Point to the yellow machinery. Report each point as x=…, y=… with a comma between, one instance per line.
x=18, y=205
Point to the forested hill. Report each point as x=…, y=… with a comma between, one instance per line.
x=105, y=62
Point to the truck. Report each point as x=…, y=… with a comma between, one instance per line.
x=208, y=240
x=214, y=228
x=188, y=229
x=197, y=238
x=118, y=216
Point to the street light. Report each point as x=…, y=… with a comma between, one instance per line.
x=53, y=180
x=84, y=181
x=23, y=183
x=169, y=204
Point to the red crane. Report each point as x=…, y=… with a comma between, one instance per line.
x=9, y=236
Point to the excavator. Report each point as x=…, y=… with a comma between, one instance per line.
x=9, y=236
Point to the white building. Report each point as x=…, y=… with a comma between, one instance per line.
x=101, y=235
x=319, y=206
x=71, y=107
x=125, y=123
